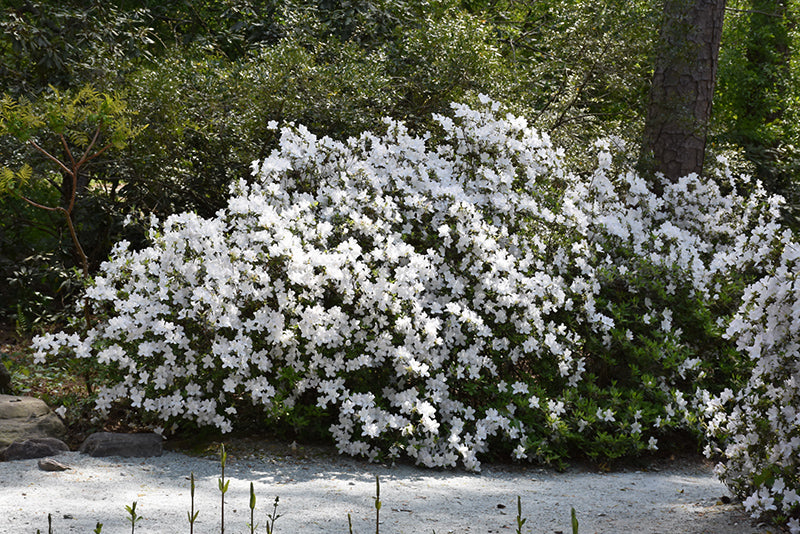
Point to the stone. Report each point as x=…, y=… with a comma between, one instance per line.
x=15, y=407
x=27, y=417
x=120, y=444
x=5, y=380
x=33, y=448
x=48, y=464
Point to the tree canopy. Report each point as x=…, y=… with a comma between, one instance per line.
x=205, y=79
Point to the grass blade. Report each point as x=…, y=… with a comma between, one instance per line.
x=377, y=504
x=192, y=514
x=272, y=518
x=223, y=488
x=520, y=520
x=134, y=518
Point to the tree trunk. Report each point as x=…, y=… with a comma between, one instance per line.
x=683, y=87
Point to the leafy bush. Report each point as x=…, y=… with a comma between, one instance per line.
x=759, y=425
x=440, y=60
x=581, y=70
x=67, y=44
x=206, y=114
x=206, y=99
x=440, y=297
x=755, y=107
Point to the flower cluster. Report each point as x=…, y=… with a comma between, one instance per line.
x=449, y=295
x=759, y=424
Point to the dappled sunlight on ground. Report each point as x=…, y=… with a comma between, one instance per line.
x=317, y=489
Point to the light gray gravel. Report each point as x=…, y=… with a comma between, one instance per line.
x=318, y=489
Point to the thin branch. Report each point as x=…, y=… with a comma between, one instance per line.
x=754, y=11
x=21, y=217
x=74, y=194
x=199, y=17
x=52, y=183
x=77, y=243
x=85, y=156
x=50, y=156
x=587, y=77
x=99, y=152
x=37, y=205
x=67, y=150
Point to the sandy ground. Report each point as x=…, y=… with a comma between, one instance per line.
x=317, y=491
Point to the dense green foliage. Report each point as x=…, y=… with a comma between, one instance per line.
x=756, y=109
x=203, y=84
x=502, y=302
x=206, y=77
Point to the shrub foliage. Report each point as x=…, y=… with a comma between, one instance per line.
x=462, y=293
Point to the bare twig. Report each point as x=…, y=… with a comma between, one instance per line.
x=50, y=156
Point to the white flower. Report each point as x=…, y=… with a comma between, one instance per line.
x=519, y=388
x=751, y=502
x=766, y=501
x=556, y=408
x=790, y=498
x=413, y=267
x=605, y=415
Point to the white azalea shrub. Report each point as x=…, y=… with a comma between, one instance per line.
x=759, y=425
x=452, y=296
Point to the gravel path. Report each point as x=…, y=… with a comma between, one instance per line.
x=318, y=489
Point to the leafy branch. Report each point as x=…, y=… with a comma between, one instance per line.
x=82, y=125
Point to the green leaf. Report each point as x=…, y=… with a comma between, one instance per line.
x=574, y=521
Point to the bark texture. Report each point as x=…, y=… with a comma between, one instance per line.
x=682, y=90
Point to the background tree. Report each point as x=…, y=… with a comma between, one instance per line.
x=83, y=127
x=582, y=69
x=206, y=78
x=758, y=92
x=67, y=44
x=682, y=89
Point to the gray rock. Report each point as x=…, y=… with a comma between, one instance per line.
x=14, y=407
x=125, y=445
x=5, y=380
x=33, y=448
x=27, y=417
x=48, y=464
